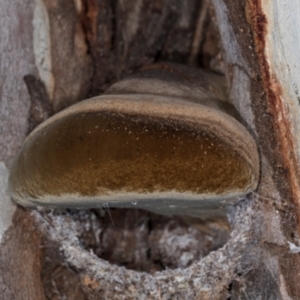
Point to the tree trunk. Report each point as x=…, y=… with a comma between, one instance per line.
x=71, y=50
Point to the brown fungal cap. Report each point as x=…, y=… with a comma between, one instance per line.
x=135, y=148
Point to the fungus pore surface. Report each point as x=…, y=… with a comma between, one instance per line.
x=98, y=153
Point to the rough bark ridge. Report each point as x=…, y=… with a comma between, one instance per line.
x=76, y=49
x=254, y=89
x=209, y=278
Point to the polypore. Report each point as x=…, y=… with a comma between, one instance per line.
x=163, y=140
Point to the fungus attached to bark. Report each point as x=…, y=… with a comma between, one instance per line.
x=156, y=151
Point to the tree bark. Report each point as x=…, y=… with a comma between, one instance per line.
x=72, y=50
x=261, y=77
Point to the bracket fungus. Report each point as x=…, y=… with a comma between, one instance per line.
x=164, y=140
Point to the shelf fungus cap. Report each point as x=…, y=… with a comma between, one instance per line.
x=146, y=151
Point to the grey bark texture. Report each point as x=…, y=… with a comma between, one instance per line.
x=72, y=50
